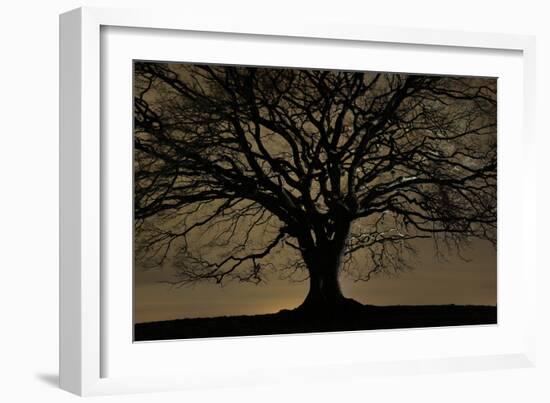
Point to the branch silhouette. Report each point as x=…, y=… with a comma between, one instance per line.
x=338, y=170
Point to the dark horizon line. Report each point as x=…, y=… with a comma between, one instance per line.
x=290, y=309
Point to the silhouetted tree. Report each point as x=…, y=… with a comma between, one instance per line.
x=335, y=169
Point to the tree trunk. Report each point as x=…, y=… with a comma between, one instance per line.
x=324, y=288
x=325, y=295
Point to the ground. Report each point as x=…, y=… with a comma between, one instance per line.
x=365, y=317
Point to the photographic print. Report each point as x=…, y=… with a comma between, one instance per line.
x=273, y=200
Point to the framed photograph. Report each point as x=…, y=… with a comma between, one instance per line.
x=256, y=199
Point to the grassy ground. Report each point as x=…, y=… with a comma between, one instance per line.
x=367, y=317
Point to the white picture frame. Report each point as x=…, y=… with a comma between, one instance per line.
x=88, y=316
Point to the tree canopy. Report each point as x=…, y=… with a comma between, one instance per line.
x=234, y=166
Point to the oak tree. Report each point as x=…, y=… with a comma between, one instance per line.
x=328, y=170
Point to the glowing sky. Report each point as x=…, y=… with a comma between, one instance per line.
x=471, y=279
x=433, y=281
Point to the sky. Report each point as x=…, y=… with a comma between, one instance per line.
x=469, y=279
x=431, y=281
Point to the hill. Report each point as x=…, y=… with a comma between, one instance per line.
x=367, y=317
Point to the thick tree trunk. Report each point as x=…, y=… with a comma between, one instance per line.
x=325, y=295
x=324, y=288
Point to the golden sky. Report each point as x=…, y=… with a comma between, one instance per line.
x=467, y=280
x=432, y=281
